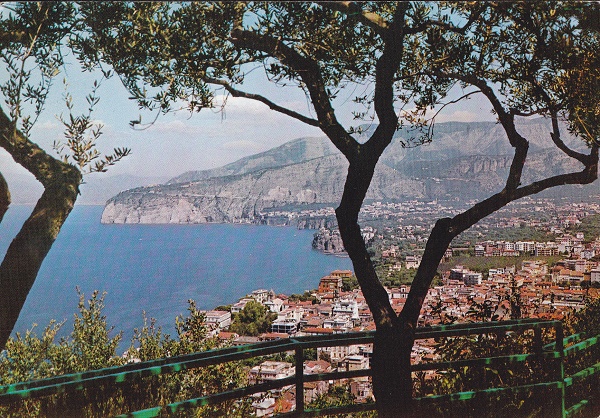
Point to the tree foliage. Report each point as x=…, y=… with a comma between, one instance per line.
x=253, y=320
x=92, y=344
x=33, y=37
x=408, y=59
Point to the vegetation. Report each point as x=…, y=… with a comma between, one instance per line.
x=522, y=233
x=90, y=346
x=254, y=319
x=590, y=226
x=527, y=59
x=304, y=297
x=412, y=54
x=338, y=396
x=533, y=404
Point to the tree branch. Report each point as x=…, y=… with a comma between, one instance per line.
x=361, y=170
x=370, y=19
x=448, y=228
x=506, y=119
x=356, y=186
x=273, y=106
x=385, y=71
x=4, y=197
x=310, y=73
x=555, y=135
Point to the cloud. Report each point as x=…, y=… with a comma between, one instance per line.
x=49, y=125
x=458, y=116
x=243, y=145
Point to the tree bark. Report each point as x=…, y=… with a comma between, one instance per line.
x=28, y=250
x=4, y=197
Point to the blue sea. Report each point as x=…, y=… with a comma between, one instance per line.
x=157, y=268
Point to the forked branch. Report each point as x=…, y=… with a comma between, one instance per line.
x=29, y=248
x=257, y=97
x=310, y=73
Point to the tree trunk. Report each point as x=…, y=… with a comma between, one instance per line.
x=392, y=377
x=392, y=380
x=28, y=250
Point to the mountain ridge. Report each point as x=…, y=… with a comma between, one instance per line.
x=308, y=171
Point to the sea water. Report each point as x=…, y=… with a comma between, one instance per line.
x=157, y=268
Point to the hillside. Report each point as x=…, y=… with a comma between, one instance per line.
x=464, y=160
x=293, y=152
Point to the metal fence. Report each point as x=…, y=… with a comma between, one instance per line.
x=557, y=351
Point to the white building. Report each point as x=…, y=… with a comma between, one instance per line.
x=275, y=305
x=471, y=278
x=595, y=275
x=413, y=261
x=270, y=370
x=260, y=295
x=217, y=319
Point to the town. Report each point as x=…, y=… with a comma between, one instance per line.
x=549, y=268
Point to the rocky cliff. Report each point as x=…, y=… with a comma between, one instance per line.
x=243, y=198
x=328, y=241
x=466, y=160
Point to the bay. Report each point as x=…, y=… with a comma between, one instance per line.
x=157, y=268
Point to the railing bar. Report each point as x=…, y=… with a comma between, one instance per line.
x=476, y=325
x=121, y=374
x=299, y=379
x=566, y=340
x=335, y=342
x=475, y=331
x=576, y=408
x=582, y=374
x=151, y=364
x=337, y=375
x=254, y=348
x=121, y=377
x=214, y=398
x=463, y=396
x=581, y=345
x=514, y=358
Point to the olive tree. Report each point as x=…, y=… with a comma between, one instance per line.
x=31, y=38
x=526, y=59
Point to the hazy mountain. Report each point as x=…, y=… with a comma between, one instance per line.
x=243, y=197
x=467, y=160
x=97, y=189
x=296, y=151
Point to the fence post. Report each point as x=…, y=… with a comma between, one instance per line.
x=299, y=380
x=561, y=368
x=537, y=340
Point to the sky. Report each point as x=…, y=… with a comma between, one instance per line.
x=180, y=142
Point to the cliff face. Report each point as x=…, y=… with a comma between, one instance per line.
x=328, y=241
x=243, y=198
x=293, y=152
x=466, y=160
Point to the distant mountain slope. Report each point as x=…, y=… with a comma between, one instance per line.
x=243, y=197
x=465, y=160
x=296, y=151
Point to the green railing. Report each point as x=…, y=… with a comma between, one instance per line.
x=556, y=351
